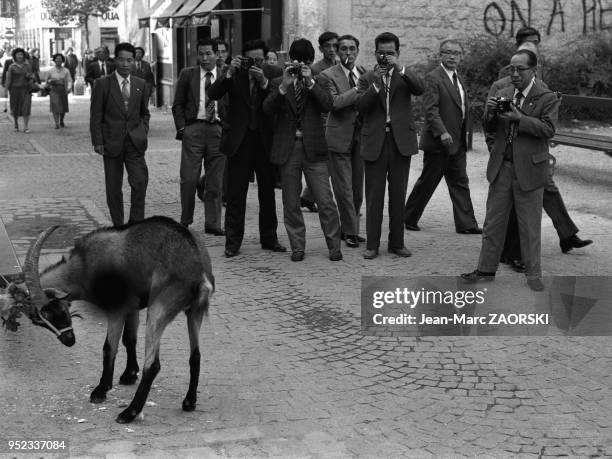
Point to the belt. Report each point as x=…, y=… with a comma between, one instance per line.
x=388, y=127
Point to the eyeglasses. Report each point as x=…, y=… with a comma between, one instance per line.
x=451, y=53
x=513, y=69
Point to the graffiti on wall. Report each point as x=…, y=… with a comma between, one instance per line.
x=507, y=17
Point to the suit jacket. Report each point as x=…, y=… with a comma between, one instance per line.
x=540, y=109
x=343, y=118
x=443, y=113
x=316, y=100
x=320, y=66
x=93, y=71
x=372, y=106
x=145, y=72
x=110, y=123
x=239, y=108
x=187, y=97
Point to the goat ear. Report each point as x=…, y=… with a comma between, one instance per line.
x=52, y=293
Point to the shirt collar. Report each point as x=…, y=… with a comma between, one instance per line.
x=449, y=72
x=204, y=72
x=347, y=71
x=120, y=78
x=526, y=90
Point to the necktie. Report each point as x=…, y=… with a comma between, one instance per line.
x=513, y=125
x=253, y=93
x=102, y=69
x=125, y=92
x=299, y=100
x=456, y=84
x=352, y=81
x=210, y=104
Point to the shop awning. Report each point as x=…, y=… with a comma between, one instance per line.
x=154, y=11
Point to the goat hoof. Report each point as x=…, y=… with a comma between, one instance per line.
x=128, y=378
x=189, y=405
x=98, y=395
x=126, y=416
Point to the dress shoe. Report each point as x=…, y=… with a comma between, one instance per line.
x=297, y=256
x=214, y=231
x=401, y=252
x=573, y=242
x=476, y=276
x=411, y=227
x=229, y=253
x=471, y=231
x=335, y=255
x=370, y=254
x=274, y=247
x=518, y=266
x=360, y=239
x=535, y=284
x=351, y=241
x=62, y=124
x=310, y=205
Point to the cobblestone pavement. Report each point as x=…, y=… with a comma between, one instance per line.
x=286, y=371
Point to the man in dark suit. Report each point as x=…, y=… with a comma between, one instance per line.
x=342, y=135
x=72, y=62
x=388, y=140
x=142, y=69
x=444, y=144
x=119, y=124
x=518, y=168
x=100, y=67
x=246, y=142
x=198, y=123
x=299, y=147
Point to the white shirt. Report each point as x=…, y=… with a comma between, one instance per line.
x=450, y=73
x=354, y=71
x=120, y=81
x=387, y=81
x=105, y=64
x=203, y=101
x=524, y=91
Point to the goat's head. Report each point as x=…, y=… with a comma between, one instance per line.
x=50, y=307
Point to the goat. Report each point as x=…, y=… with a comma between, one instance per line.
x=156, y=264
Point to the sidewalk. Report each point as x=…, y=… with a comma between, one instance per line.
x=286, y=371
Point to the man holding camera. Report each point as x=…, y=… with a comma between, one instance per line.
x=523, y=118
x=299, y=147
x=388, y=140
x=247, y=143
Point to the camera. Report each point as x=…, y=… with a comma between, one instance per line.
x=383, y=62
x=294, y=70
x=503, y=104
x=246, y=63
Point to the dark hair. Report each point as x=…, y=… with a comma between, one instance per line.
x=125, y=47
x=221, y=41
x=18, y=50
x=326, y=36
x=60, y=55
x=348, y=37
x=207, y=42
x=301, y=50
x=139, y=48
x=524, y=32
x=255, y=44
x=387, y=37
x=532, y=58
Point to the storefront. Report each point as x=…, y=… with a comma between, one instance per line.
x=175, y=26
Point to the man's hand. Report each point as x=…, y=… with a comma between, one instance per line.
x=492, y=104
x=99, y=149
x=234, y=65
x=288, y=79
x=446, y=139
x=379, y=73
x=392, y=62
x=307, y=76
x=258, y=75
x=514, y=115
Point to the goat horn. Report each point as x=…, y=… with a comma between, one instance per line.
x=30, y=267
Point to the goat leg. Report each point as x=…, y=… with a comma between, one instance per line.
x=130, y=333
x=109, y=352
x=194, y=321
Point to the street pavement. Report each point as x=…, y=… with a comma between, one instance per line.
x=286, y=371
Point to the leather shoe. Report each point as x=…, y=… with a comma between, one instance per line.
x=370, y=254
x=274, y=247
x=573, y=242
x=351, y=241
x=335, y=255
x=535, y=284
x=402, y=252
x=214, y=231
x=471, y=231
x=411, y=227
x=310, y=205
x=518, y=266
x=476, y=276
x=360, y=239
x=229, y=253
x=297, y=256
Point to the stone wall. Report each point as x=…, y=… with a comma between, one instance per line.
x=421, y=24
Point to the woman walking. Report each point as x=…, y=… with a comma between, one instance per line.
x=60, y=84
x=19, y=79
